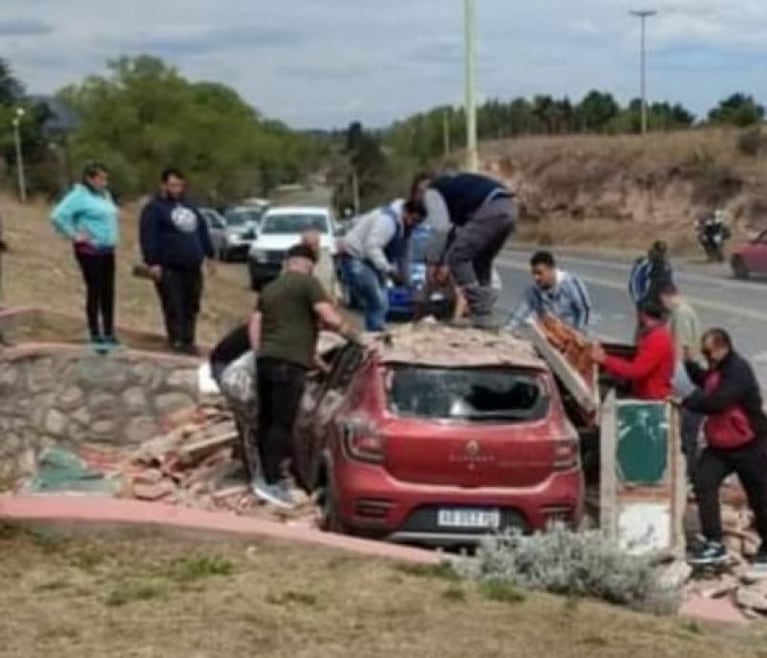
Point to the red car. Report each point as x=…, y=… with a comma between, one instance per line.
x=750, y=258
x=438, y=437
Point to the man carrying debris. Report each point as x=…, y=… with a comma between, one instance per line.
x=554, y=292
x=471, y=217
x=174, y=243
x=283, y=332
x=736, y=434
x=375, y=251
x=651, y=370
x=685, y=330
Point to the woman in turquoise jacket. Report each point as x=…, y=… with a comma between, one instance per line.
x=87, y=216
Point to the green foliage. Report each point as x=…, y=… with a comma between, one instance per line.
x=738, y=110
x=132, y=592
x=570, y=564
x=441, y=571
x=199, y=567
x=501, y=591
x=144, y=115
x=751, y=141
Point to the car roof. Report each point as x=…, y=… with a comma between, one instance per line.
x=297, y=210
x=432, y=344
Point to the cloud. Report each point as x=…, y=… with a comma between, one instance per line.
x=23, y=27
x=328, y=62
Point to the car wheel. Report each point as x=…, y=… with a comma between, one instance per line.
x=327, y=513
x=739, y=268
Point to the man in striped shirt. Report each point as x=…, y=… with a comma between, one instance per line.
x=554, y=292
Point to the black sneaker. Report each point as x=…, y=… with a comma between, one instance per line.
x=708, y=553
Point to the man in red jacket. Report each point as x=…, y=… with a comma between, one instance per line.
x=652, y=369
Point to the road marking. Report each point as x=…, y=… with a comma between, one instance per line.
x=695, y=301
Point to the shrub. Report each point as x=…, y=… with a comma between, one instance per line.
x=751, y=141
x=571, y=564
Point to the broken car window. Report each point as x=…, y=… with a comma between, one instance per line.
x=481, y=394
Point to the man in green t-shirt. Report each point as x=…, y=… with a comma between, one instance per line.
x=283, y=332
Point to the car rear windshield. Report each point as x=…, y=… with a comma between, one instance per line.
x=477, y=394
x=239, y=216
x=289, y=224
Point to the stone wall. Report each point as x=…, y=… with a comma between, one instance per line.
x=68, y=395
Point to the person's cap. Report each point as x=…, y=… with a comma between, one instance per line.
x=302, y=251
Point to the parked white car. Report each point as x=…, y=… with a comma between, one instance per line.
x=280, y=229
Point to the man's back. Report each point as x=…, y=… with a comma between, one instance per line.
x=289, y=324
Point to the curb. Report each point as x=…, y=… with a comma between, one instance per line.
x=94, y=514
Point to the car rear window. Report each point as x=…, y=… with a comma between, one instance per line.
x=477, y=394
x=289, y=224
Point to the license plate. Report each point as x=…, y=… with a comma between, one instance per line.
x=469, y=518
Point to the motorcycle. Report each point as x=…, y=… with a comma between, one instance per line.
x=713, y=234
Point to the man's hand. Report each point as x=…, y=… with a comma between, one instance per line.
x=396, y=278
x=432, y=274
x=598, y=353
x=82, y=237
x=156, y=272
x=675, y=401
x=687, y=353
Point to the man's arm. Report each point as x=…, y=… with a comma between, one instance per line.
x=204, y=233
x=581, y=304
x=380, y=234
x=63, y=216
x=729, y=393
x=695, y=372
x=438, y=220
x=254, y=331
x=148, y=236
x=644, y=363
x=525, y=309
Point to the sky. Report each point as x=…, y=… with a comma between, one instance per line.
x=324, y=63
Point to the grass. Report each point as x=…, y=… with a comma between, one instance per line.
x=40, y=262
x=130, y=597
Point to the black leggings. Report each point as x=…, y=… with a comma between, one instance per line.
x=99, y=275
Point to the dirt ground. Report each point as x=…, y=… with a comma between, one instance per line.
x=142, y=595
x=40, y=270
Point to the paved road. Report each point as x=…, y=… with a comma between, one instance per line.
x=740, y=307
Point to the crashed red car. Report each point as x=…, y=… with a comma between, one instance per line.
x=439, y=437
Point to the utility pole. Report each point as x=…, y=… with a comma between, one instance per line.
x=355, y=191
x=472, y=156
x=446, y=123
x=19, y=154
x=643, y=15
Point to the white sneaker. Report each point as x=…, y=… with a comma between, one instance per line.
x=273, y=494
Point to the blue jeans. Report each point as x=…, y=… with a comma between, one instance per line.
x=368, y=290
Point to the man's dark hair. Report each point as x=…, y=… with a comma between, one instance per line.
x=302, y=251
x=93, y=169
x=171, y=172
x=669, y=288
x=417, y=208
x=420, y=177
x=720, y=337
x=545, y=258
x=653, y=309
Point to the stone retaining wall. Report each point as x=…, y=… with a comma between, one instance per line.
x=68, y=395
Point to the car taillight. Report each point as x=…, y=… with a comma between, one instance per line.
x=364, y=443
x=566, y=455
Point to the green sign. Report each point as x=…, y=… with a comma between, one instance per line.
x=643, y=436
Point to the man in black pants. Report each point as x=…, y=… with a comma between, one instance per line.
x=283, y=332
x=736, y=434
x=174, y=243
x=471, y=217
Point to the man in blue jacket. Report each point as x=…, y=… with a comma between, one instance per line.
x=174, y=243
x=471, y=217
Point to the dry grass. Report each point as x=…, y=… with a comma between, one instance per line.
x=40, y=270
x=149, y=596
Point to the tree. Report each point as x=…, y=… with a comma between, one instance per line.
x=597, y=110
x=738, y=110
x=11, y=89
x=144, y=115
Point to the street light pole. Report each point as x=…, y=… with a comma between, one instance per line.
x=19, y=154
x=643, y=15
x=472, y=156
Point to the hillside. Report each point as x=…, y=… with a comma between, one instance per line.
x=622, y=191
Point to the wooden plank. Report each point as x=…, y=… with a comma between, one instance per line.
x=608, y=480
x=585, y=394
x=204, y=446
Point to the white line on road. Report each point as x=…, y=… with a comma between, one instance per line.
x=696, y=301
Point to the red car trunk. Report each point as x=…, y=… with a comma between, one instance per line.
x=468, y=454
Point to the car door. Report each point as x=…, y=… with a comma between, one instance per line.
x=756, y=255
x=216, y=229
x=325, y=394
